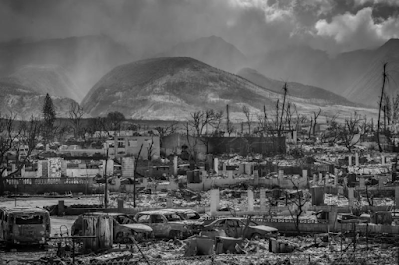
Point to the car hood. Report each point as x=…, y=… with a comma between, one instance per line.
x=264, y=228
x=138, y=227
x=186, y=222
x=193, y=222
x=178, y=222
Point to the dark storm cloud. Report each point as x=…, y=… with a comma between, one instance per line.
x=254, y=26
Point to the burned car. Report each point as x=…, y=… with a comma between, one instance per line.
x=166, y=223
x=24, y=226
x=235, y=227
x=187, y=214
x=192, y=218
x=124, y=227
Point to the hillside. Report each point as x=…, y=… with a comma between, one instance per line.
x=46, y=79
x=367, y=87
x=85, y=59
x=213, y=50
x=24, y=102
x=172, y=88
x=294, y=89
x=355, y=75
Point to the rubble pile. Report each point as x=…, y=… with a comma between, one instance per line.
x=375, y=169
x=253, y=254
x=339, y=200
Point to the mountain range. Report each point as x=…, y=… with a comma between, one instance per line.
x=43, y=79
x=85, y=59
x=76, y=67
x=293, y=89
x=171, y=88
x=355, y=75
x=23, y=102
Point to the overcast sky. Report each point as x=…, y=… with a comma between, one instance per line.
x=254, y=26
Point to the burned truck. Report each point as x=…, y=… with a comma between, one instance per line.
x=24, y=226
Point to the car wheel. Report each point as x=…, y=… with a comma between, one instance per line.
x=256, y=236
x=127, y=240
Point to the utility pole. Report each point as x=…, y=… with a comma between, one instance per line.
x=106, y=180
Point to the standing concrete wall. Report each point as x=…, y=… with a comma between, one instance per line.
x=47, y=185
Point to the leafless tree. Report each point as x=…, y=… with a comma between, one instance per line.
x=136, y=161
x=229, y=124
x=247, y=114
x=200, y=120
x=283, y=109
x=263, y=123
x=300, y=119
x=315, y=117
x=230, y=128
x=217, y=122
x=391, y=114
x=298, y=199
x=384, y=81
x=14, y=135
x=289, y=113
x=333, y=132
x=164, y=131
x=75, y=118
x=261, y=128
x=349, y=131
x=276, y=121
x=197, y=126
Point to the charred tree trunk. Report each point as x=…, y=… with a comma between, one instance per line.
x=384, y=77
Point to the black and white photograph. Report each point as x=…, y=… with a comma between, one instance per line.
x=202, y=132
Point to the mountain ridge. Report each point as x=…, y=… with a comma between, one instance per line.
x=24, y=102
x=353, y=74
x=294, y=89
x=212, y=50
x=172, y=87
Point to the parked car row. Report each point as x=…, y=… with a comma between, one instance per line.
x=32, y=225
x=175, y=223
